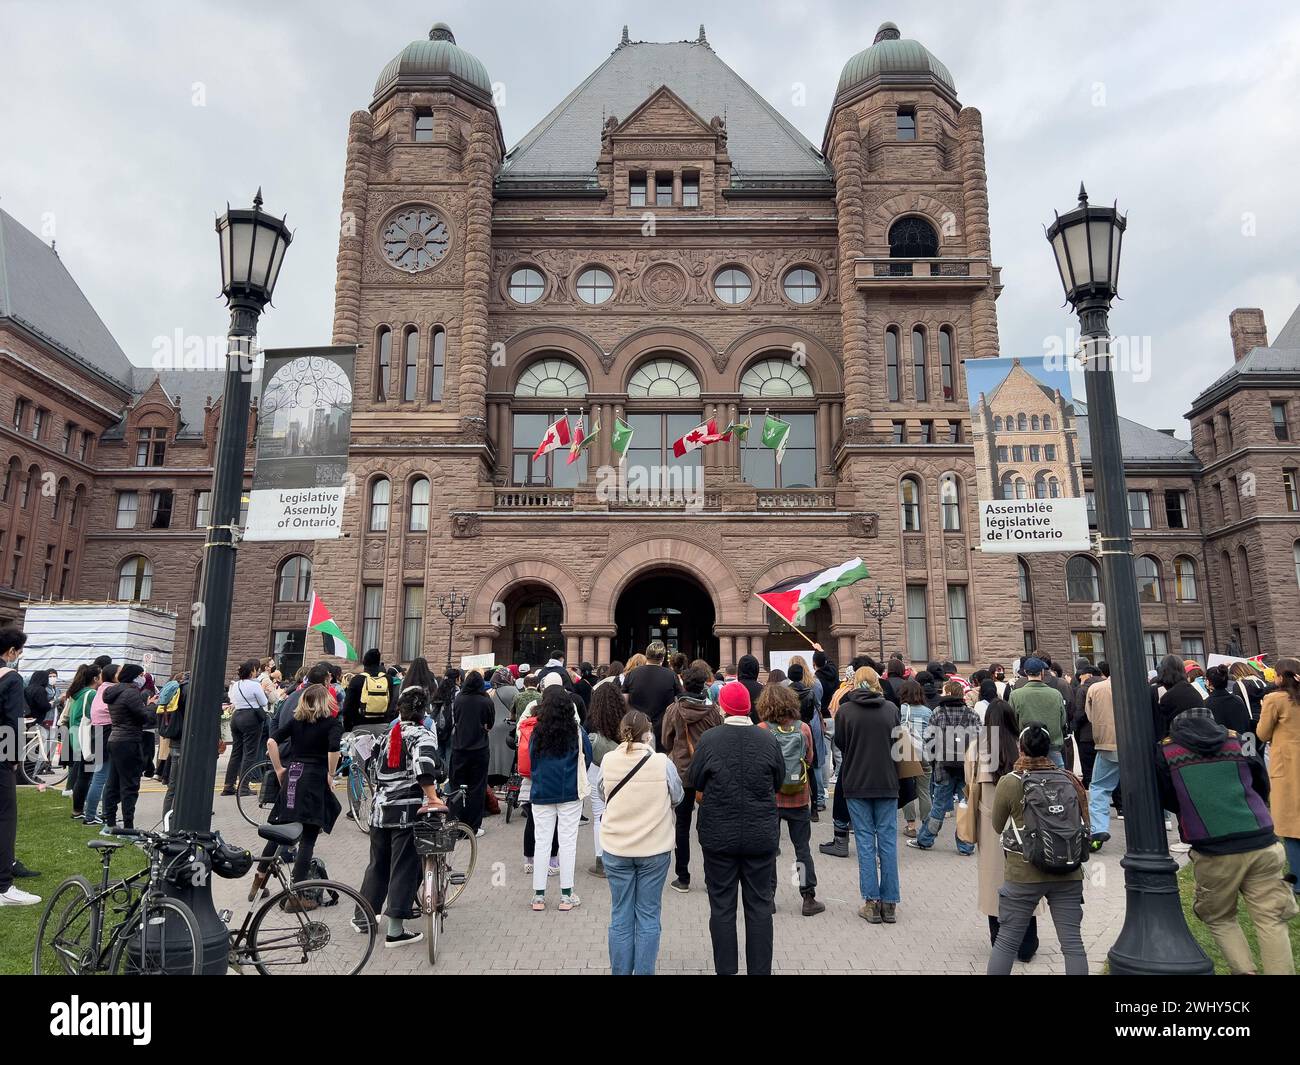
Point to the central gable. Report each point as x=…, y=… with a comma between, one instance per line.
x=664, y=113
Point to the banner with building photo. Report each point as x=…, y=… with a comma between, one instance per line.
x=304, y=423
x=1029, y=481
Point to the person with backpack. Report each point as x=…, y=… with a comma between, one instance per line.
x=915, y=715
x=370, y=702
x=687, y=718
x=501, y=755
x=953, y=727
x=168, y=698
x=638, y=788
x=247, y=725
x=525, y=721
x=1041, y=810
x=811, y=700
x=472, y=715
x=80, y=693
x=780, y=713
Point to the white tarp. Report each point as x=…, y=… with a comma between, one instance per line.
x=64, y=635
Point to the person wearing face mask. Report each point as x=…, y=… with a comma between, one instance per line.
x=998, y=672
x=129, y=714
x=13, y=707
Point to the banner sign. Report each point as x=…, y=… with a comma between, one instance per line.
x=304, y=424
x=1029, y=480
x=482, y=663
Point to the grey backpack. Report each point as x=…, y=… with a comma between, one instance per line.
x=1053, y=837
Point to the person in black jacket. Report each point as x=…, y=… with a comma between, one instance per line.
x=1085, y=675
x=129, y=714
x=1171, y=694
x=1229, y=710
x=747, y=677
x=472, y=716
x=740, y=769
x=354, y=710
x=654, y=687
x=13, y=709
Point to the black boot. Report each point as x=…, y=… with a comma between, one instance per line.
x=838, y=847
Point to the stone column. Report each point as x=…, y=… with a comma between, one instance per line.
x=588, y=649
x=726, y=651
x=846, y=158
x=975, y=207
x=571, y=647
x=602, y=650
x=480, y=165
x=352, y=230
x=756, y=649
x=846, y=650
x=824, y=438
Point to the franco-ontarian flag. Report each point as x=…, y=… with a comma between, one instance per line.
x=320, y=620
x=796, y=597
x=775, y=434
x=620, y=439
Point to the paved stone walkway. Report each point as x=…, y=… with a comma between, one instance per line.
x=492, y=930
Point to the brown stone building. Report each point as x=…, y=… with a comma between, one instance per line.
x=662, y=248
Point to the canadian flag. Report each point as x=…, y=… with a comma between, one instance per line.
x=705, y=433
x=556, y=435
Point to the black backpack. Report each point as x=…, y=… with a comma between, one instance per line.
x=316, y=871
x=1054, y=837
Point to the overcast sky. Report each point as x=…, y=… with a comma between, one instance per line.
x=127, y=126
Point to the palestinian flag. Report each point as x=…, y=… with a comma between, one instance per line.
x=320, y=620
x=621, y=439
x=556, y=436
x=704, y=433
x=796, y=597
x=775, y=434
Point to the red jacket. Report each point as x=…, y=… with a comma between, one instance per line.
x=525, y=732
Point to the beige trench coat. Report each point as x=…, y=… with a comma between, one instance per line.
x=1279, y=726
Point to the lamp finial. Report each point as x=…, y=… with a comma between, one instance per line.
x=257, y=200
x=1083, y=195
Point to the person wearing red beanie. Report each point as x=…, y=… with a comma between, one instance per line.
x=734, y=699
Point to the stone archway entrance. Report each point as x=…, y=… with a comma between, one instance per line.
x=665, y=605
x=533, y=618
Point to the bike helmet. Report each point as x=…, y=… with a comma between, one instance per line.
x=231, y=862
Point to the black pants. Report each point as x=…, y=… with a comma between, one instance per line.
x=148, y=745
x=393, y=872
x=128, y=762
x=840, y=807
x=8, y=824
x=470, y=768
x=1087, y=759
x=248, y=733
x=754, y=876
x=306, y=849
x=173, y=774
x=1028, y=944
x=79, y=774
x=530, y=835
x=684, y=810
x=799, y=824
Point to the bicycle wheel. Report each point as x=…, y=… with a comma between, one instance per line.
x=461, y=861
x=161, y=939
x=63, y=946
x=430, y=902
x=361, y=796
x=37, y=766
x=254, y=808
x=509, y=806
x=322, y=941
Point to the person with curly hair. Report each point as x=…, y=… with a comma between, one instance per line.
x=604, y=727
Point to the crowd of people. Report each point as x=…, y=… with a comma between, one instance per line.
x=1024, y=764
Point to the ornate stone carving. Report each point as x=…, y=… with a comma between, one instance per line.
x=914, y=552
x=864, y=525
x=415, y=551
x=374, y=552
x=466, y=526
x=664, y=284
x=720, y=360
x=955, y=552
x=719, y=126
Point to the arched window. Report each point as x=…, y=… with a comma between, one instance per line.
x=918, y=363
x=60, y=493
x=32, y=480
x=1243, y=564
x=1228, y=580
x=1185, y=578
x=950, y=502
x=1008, y=486
x=666, y=378
x=1081, y=583
x=892, y=379
x=381, y=493
x=419, y=521
x=78, y=502
x=1026, y=585
x=410, y=363
x=1022, y=423
x=437, y=363
x=293, y=580
x=383, y=363
x=1040, y=486
x=1295, y=551
x=1022, y=489
x=1148, y=579
x=776, y=378
x=1053, y=488
x=946, y=371
x=135, y=579
x=997, y=423
x=913, y=238
x=12, y=473
x=909, y=504
x=551, y=377
x=1047, y=421
x=1033, y=422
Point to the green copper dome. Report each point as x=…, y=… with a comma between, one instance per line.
x=890, y=58
x=431, y=64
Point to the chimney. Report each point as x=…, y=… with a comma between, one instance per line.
x=1248, y=331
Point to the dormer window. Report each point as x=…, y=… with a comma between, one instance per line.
x=423, y=127
x=690, y=189
x=905, y=123
x=151, y=447
x=636, y=189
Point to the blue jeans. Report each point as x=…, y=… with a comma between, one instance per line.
x=100, y=778
x=636, y=888
x=875, y=830
x=946, y=786
x=1293, y=859
x=1057, y=757
x=1105, y=779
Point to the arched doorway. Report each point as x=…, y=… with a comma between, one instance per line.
x=817, y=626
x=533, y=619
x=668, y=606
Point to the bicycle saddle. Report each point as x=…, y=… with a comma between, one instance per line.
x=105, y=844
x=285, y=835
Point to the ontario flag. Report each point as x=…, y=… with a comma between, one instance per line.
x=704, y=433
x=796, y=597
x=556, y=435
x=322, y=621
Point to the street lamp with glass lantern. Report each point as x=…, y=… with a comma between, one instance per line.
x=252, y=245
x=1154, y=940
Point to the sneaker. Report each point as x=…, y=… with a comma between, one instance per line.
x=811, y=907
x=569, y=902
x=684, y=886
x=585, y=820
x=917, y=845
x=870, y=912
x=15, y=896
x=597, y=868
x=359, y=925
x=910, y=833
x=21, y=870
x=66, y=793
x=227, y=791
x=403, y=940
x=107, y=830
x=889, y=912
x=553, y=869
x=539, y=903
x=528, y=868
x=92, y=822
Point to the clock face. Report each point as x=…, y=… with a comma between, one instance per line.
x=415, y=239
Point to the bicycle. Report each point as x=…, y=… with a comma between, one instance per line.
x=41, y=755
x=514, y=787
x=442, y=844
x=357, y=768
x=148, y=933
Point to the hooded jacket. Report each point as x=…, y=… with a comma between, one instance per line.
x=685, y=721
x=1219, y=795
x=747, y=674
x=1168, y=703
x=865, y=725
x=740, y=770
x=128, y=712
x=472, y=716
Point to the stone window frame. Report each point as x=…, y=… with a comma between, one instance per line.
x=297, y=558
x=413, y=482
x=143, y=578
x=1156, y=577
x=894, y=389
x=447, y=220
x=917, y=506
x=817, y=273
x=380, y=389
x=1181, y=581
x=371, y=484
x=749, y=278
x=613, y=284
x=1094, y=578
x=956, y=503
x=507, y=285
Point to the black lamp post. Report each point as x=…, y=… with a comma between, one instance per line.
x=1154, y=939
x=252, y=245
x=451, y=606
x=880, y=609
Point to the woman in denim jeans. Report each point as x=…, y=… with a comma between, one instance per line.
x=916, y=715
x=640, y=788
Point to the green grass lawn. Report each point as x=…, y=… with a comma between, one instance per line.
x=50, y=842
x=1186, y=888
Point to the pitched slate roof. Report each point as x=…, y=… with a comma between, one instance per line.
x=191, y=387
x=1282, y=357
x=1137, y=442
x=38, y=293
x=761, y=143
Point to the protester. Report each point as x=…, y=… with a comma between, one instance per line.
x=168, y=697
x=1085, y=676
x=780, y=711
x=1279, y=726
x=1038, y=702
x=1228, y=708
x=472, y=717
x=915, y=715
x=247, y=725
x=101, y=728
x=81, y=767
x=559, y=752
x=1172, y=694
x=1099, y=710
x=687, y=718
x=651, y=688
x=1222, y=814
x=370, y=702
x=129, y=715
x=740, y=769
x=952, y=728
x=1025, y=884
x=13, y=709
x=639, y=788
x=810, y=713
x=501, y=756
x=419, y=675
x=747, y=670
x=604, y=726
